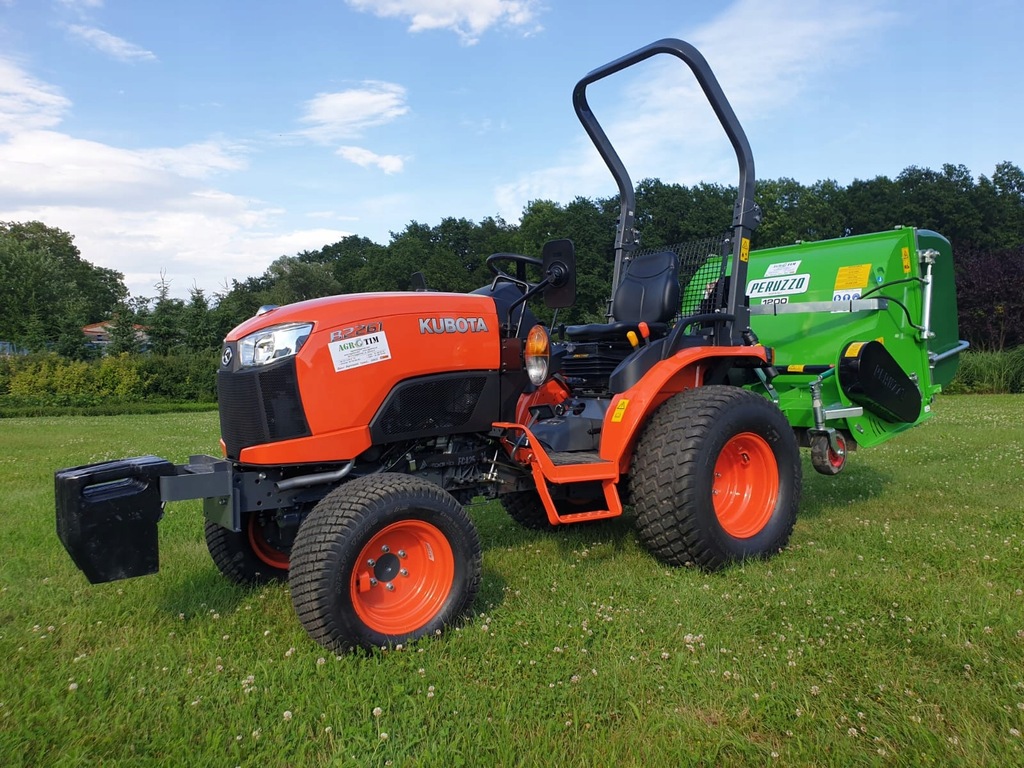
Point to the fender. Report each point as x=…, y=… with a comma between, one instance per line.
x=552, y=392
x=630, y=410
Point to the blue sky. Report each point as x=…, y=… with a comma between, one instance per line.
x=205, y=138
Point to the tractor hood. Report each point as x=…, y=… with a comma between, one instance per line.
x=334, y=312
x=320, y=370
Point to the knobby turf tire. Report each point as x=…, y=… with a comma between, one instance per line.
x=236, y=559
x=673, y=477
x=526, y=509
x=330, y=576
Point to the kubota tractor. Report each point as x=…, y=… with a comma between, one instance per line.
x=354, y=428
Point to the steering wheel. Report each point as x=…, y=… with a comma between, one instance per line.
x=522, y=262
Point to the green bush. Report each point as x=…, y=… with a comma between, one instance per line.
x=113, y=382
x=985, y=373
x=182, y=378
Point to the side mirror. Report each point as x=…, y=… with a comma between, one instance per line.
x=559, y=266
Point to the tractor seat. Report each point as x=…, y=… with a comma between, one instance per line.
x=648, y=293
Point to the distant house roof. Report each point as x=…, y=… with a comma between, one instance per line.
x=99, y=333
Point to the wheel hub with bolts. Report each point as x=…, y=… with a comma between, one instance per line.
x=386, y=568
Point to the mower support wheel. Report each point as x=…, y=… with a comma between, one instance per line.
x=824, y=458
x=381, y=560
x=255, y=555
x=715, y=478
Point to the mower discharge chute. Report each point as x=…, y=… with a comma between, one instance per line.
x=355, y=428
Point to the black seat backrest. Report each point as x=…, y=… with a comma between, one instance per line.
x=649, y=291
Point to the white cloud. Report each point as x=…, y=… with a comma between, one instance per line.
x=27, y=103
x=659, y=120
x=365, y=159
x=113, y=46
x=139, y=211
x=79, y=5
x=467, y=18
x=52, y=166
x=201, y=239
x=346, y=114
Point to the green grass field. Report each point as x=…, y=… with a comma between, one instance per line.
x=891, y=632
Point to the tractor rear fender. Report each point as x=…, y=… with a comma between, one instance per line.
x=687, y=369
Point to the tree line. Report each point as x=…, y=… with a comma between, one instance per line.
x=48, y=291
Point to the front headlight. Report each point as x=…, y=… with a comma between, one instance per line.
x=272, y=344
x=537, y=354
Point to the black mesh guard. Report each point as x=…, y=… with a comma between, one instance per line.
x=260, y=405
x=431, y=405
x=702, y=265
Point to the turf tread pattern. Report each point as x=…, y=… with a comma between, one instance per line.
x=233, y=556
x=526, y=509
x=665, y=475
x=342, y=520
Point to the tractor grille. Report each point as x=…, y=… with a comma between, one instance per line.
x=435, y=405
x=260, y=405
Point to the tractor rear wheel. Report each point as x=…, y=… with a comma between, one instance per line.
x=715, y=478
x=381, y=560
x=255, y=555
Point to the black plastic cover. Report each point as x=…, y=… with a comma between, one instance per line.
x=872, y=378
x=107, y=516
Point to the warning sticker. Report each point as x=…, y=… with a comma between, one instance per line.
x=362, y=350
x=846, y=295
x=852, y=277
x=620, y=410
x=782, y=268
x=906, y=260
x=745, y=249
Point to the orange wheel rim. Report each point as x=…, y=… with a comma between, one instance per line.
x=402, y=578
x=837, y=459
x=265, y=552
x=746, y=485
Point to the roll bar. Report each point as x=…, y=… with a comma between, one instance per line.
x=746, y=214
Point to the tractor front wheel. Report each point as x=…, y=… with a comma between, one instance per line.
x=381, y=560
x=715, y=478
x=255, y=555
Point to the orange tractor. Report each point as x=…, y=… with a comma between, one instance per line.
x=354, y=428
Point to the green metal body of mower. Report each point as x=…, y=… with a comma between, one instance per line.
x=864, y=332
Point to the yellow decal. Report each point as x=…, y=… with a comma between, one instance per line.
x=795, y=368
x=880, y=340
x=745, y=249
x=620, y=411
x=906, y=261
x=853, y=349
x=855, y=276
